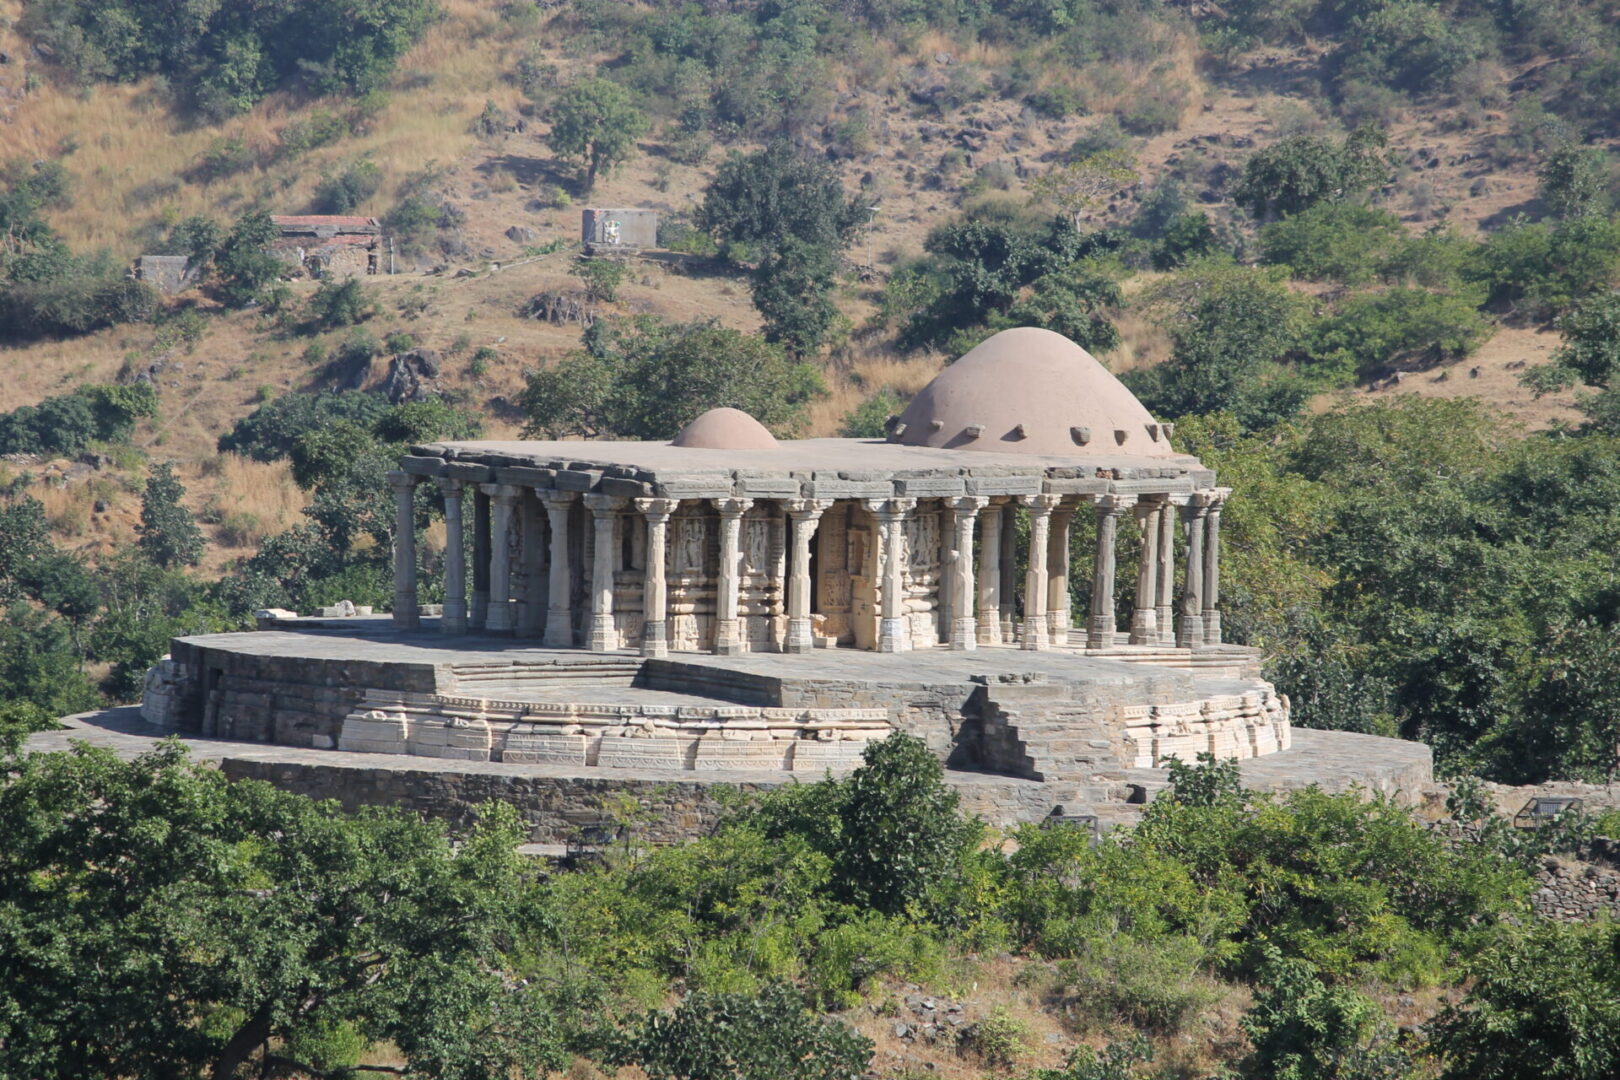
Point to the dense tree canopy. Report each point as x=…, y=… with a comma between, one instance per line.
x=645, y=378
x=228, y=56
x=157, y=919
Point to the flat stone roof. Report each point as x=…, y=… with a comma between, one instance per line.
x=809, y=468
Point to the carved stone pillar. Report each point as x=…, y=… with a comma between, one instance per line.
x=1100, y=628
x=893, y=629
x=559, y=610
x=1212, y=568
x=1190, y=626
x=964, y=627
x=1145, y=614
x=454, y=620
x=480, y=596
x=531, y=620
x=1035, y=583
x=805, y=514
x=655, y=590
x=1058, y=619
x=407, y=616
x=989, y=622
x=727, y=627
x=605, y=515
x=503, y=502
x=1009, y=572
x=1164, y=585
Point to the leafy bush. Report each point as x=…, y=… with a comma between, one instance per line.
x=1296, y=173
x=227, y=63
x=64, y=425
x=168, y=534
x=998, y=1040
x=1304, y=1029
x=1539, y=270
x=1545, y=1005
x=343, y=192
x=1332, y=241
x=337, y=303
x=764, y=1036
x=758, y=202
x=644, y=377
x=602, y=278
x=868, y=420
x=1375, y=330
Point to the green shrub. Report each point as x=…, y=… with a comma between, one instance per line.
x=602, y=278
x=1539, y=269
x=337, y=303
x=868, y=420
x=1374, y=330
x=1333, y=241
x=343, y=192
x=1154, y=984
x=999, y=1040
x=1303, y=1029
x=768, y=1036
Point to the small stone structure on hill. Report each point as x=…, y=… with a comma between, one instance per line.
x=730, y=607
x=618, y=231
x=330, y=245
x=168, y=274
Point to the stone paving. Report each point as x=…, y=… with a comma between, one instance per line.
x=373, y=640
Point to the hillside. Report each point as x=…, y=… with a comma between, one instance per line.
x=929, y=135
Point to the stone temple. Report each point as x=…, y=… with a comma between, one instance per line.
x=727, y=607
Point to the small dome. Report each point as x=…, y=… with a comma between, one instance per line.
x=725, y=429
x=1030, y=391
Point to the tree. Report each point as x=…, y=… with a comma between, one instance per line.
x=24, y=540
x=765, y=1036
x=595, y=122
x=1230, y=327
x=792, y=289
x=1295, y=173
x=902, y=837
x=243, y=265
x=602, y=278
x=336, y=304
x=1079, y=186
x=646, y=378
x=755, y=204
x=167, y=532
x=1543, y=1006
x=158, y=919
x=1590, y=355
x=1573, y=180
x=1303, y=1029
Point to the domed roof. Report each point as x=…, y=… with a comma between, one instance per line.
x=1030, y=391
x=725, y=429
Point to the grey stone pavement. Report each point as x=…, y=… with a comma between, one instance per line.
x=374, y=640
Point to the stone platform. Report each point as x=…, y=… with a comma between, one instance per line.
x=557, y=800
x=361, y=685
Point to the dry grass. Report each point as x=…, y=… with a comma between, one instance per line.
x=245, y=500
x=868, y=371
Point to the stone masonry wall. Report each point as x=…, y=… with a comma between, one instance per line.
x=292, y=701
x=553, y=807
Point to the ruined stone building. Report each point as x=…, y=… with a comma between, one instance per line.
x=331, y=245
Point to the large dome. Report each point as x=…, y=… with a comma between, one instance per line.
x=1030, y=391
x=725, y=429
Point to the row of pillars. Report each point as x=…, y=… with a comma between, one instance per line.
x=1046, y=590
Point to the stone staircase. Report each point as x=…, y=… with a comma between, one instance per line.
x=471, y=679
